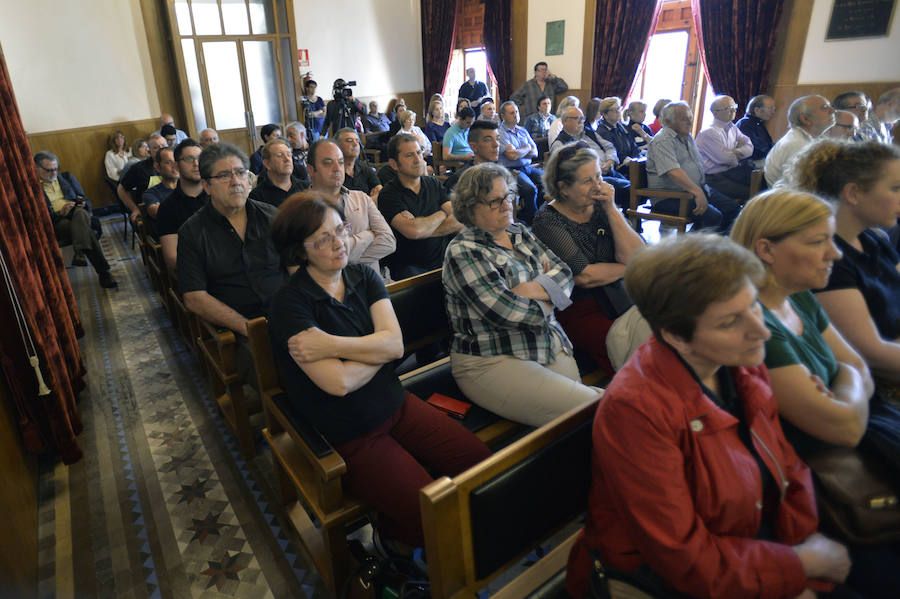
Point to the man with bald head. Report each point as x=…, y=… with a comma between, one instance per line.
x=809, y=117
x=760, y=110
x=167, y=119
x=208, y=137
x=725, y=151
x=845, y=128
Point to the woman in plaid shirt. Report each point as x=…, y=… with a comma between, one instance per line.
x=509, y=353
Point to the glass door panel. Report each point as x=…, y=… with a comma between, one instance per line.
x=206, y=17
x=288, y=63
x=226, y=92
x=261, y=17
x=195, y=88
x=234, y=15
x=262, y=83
x=183, y=16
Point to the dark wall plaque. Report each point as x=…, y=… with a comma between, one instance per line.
x=860, y=18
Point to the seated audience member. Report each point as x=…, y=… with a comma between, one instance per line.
x=808, y=117
x=418, y=210
x=357, y=174
x=725, y=151
x=884, y=115
x=610, y=127
x=407, y=120
x=574, y=130
x=168, y=170
x=436, y=125
x=266, y=133
x=208, y=137
x=227, y=267
x=488, y=112
x=557, y=125
x=694, y=490
x=168, y=119
x=862, y=297
x=335, y=338
x=140, y=150
x=845, y=127
x=636, y=113
x=544, y=83
x=117, y=155
x=471, y=90
x=395, y=107
x=140, y=177
x=509, y=353
x=592, y=114
x=386, y=173
x=375, y=121
x=484, y=139
x=858, y=104
x=583, y=227
x=673, y=163
x=656, y=125
x=518, y=150
x=370, y=237
x=538, y=123
x=169, y=132
x=462, y=103
x=760, y=110
x=314, y=110
x=277, y=182
x=296, y=136
x=438, y=98
x=187, y=198
x=456, y=145
x=70, y=212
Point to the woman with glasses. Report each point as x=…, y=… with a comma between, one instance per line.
x=117, y=155
x=509, y=353
x=583, y=226
x=609, y=126
x=335, y=336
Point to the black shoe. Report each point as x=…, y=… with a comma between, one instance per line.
x=79, y=260
x=106, y=280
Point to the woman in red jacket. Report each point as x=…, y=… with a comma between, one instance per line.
x=695, y=491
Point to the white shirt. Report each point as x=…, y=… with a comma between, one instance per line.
x=781, y=154
x=115, y=163
x=717, y=144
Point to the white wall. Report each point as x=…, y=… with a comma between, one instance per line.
x=568, y=64
x=871, y=59
x=377, y=44
x=77, y=64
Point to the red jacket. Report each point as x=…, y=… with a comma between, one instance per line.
x=674, y=487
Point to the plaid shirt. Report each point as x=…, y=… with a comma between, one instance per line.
x=488, y=319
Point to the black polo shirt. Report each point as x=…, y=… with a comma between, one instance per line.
x=176, y=209
x=299, y=158
x=364, y=178
x=301, y=304
x=394, y=199
x=268, y=192
x=212, y=257
x=137, y=179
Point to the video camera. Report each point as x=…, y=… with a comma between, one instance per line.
x=342, y=89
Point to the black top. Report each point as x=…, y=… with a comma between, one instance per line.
x=176, y=209
x=453, y=179
x=364, y=178
x=394, y=199
x=299, y=158
x=618, y=136
x=300, y=304
x=471, y=91
x=268, y=192
x=874, y=272
x=754, y=128
x=137, y=179
x=256, y=161
x=386, y=174
x=212, y=257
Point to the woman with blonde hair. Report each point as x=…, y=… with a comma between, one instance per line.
x=117, y=155
x=436, y=123
x=636, y=113
x=407, y=121
x=556, y=126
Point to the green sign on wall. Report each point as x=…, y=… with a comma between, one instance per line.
x=556, y=34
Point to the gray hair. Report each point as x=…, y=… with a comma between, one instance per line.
x=565, y=103
x=756, y=102
x=217, y=151
x=295, y=125
x=667, y=114
x=798, y=108
x=562, y=164
x=153, y=136
x=474, y=185
x=505, y=104
x=45, y=155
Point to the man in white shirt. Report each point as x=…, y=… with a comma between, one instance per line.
x=725, y=151
x=809, y=117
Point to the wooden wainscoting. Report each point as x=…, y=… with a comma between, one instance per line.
x=81, y=152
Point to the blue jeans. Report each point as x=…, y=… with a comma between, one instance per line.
x=531, y=191
x=720, y=213
x=622, y=186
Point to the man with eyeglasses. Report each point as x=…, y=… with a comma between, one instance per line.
x=277, y=183
x=418, y=210
x=845, y=128
x=70, y=212
x=725, y=151
x=227, y=266
x=167, y=168
x=187, y=197
x=544, y=83
x=370, y=238
x=808, y=117
x=140, y=176
x=760, y=110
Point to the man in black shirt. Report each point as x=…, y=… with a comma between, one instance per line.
x=138, y=178
x=418, y=210
x=187, y=197
x=356, y=174
x=278, y=182
x=296, y=136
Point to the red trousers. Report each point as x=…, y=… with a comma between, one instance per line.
x=587, y=326
x=386, y=467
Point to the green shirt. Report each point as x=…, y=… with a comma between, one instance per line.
x=808, y=349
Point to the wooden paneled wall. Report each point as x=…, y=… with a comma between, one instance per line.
x=18, y=504
x=81, y=152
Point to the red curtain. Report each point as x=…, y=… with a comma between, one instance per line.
x=621, y=34
x=497, y=38
x=737, y=39
x=438, y=42
x=37, y=270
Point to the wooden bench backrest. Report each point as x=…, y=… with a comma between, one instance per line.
x=419, y=304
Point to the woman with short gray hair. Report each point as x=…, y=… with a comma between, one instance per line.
x=509, y=353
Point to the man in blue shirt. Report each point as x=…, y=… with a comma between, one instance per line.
x=538, y=123
x=517, y=149
x=456, y=144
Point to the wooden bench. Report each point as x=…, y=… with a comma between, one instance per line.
x=640, y=193
x=486, y=519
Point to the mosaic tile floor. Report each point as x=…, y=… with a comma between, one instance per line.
x=163, y=505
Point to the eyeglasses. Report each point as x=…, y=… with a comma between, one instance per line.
x=850, y=127
x=855, y=107
x=578, y=119
x=190, y=159
x=240, y=173
x=327, y=238
x=497, y=202
x=55, y=169
x=726, y=108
